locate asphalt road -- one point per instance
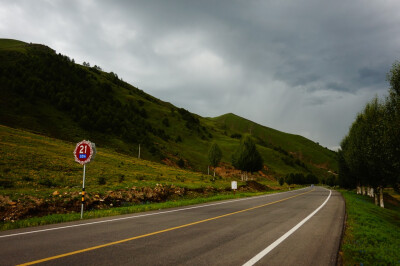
(300, 227)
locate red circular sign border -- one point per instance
(90, 155)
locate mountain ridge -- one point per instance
(49, 93)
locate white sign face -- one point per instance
(234, 185)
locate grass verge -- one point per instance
(59, 218)
(372, 235)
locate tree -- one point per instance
(247, 158)
(281, 181)
(289, 179)
(214, 156)
(393, 124)
(181, 163)
(394, 78)
(330, 181)
(311, 179)
(370, 153)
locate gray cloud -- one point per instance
(304, 66)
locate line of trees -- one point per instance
(369, 158)
(299, 178)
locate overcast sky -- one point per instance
(303, 66)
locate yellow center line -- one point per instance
(157, 232)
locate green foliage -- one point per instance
(165, 122)
(214, 155)
(394, 78)
(311, 179)
(330, 181)
(247, 158)
(370, 153)
(236, 136)
(301, 179)
(92, 104)
(289, 179)
(181, 163)
(178, 139)
(281, 181)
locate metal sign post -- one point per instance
(84, 152)
(83, 190)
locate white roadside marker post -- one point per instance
(234, 187)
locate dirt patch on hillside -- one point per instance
(227, 171)
(68, 202)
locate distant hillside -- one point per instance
(299, 146)
(48, 93)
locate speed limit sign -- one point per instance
(84, 152)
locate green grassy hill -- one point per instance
(300, 147)
(39, 177)
(48, 93)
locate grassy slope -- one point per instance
(317, 158)
(27, 158)
(302, 147)
(40, 116)
(33, 167)
(372, 234)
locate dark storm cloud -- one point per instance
(304, 66)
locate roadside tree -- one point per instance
(246, 157)
(214, 156)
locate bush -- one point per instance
(281, 181)
(236, 136)
(165, 121)
(181, 163)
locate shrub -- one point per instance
(236, 136)
(165, 121)
(181, 163)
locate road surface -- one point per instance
(301, 227)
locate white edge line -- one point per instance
(144, 215)
(268, 249)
